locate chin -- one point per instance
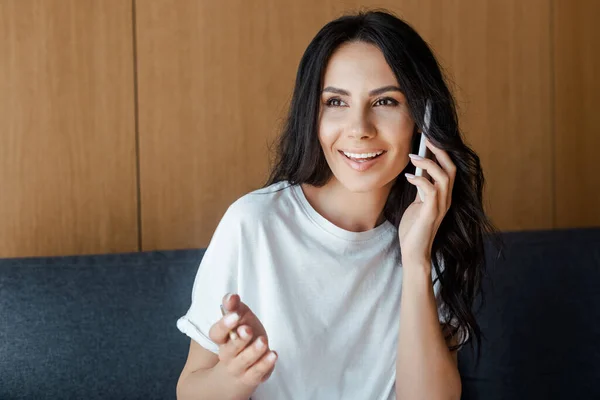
(363, 184)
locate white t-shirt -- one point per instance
(328, 298)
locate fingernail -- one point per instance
(410, 176)
(415, 157)
(244, 333)
(260, 343)
(272, 356)
(231, 319)
(228, 297)
(233, 336)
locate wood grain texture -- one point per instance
(497, 54)
(215, 79)
(67, 142)
(577, 122)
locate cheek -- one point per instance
(396, 121)
(398, 133)
(328, 134)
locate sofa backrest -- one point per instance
(94, 327)
(103, 327)
(541, 320)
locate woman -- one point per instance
(343, 281)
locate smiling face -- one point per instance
(365, 127)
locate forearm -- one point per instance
(425, 368)
(210, 384)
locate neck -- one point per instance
(352, 211)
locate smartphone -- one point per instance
(423, 150)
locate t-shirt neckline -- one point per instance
(333, 229)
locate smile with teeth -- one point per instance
(362, 157)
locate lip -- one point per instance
(361, 166)
(362, 151)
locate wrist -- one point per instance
(416, 268)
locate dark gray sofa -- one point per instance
(103, 327)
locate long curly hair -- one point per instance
(458, 248)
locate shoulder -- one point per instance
(259, 205)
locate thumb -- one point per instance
(231, 302)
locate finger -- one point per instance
(268, 374)
(232, 334)
(232, 348)
(262, 369)
(231, 301)
(426, 187)
(432, 168)
(250, 355)
(439, 176)
(219, 332)
(443, 158)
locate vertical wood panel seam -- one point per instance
(137, 126)
(553, 160)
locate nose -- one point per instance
(360, 127)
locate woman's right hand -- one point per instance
(246, 356)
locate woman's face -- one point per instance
(365, 127)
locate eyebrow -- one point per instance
(374, 92)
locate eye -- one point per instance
(386, 101)
(334, 102)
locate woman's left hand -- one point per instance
(422, 219)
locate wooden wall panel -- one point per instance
(215, 79)
(576, 115)
(497, 53)
(67, 131)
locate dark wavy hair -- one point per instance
(458, 248)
